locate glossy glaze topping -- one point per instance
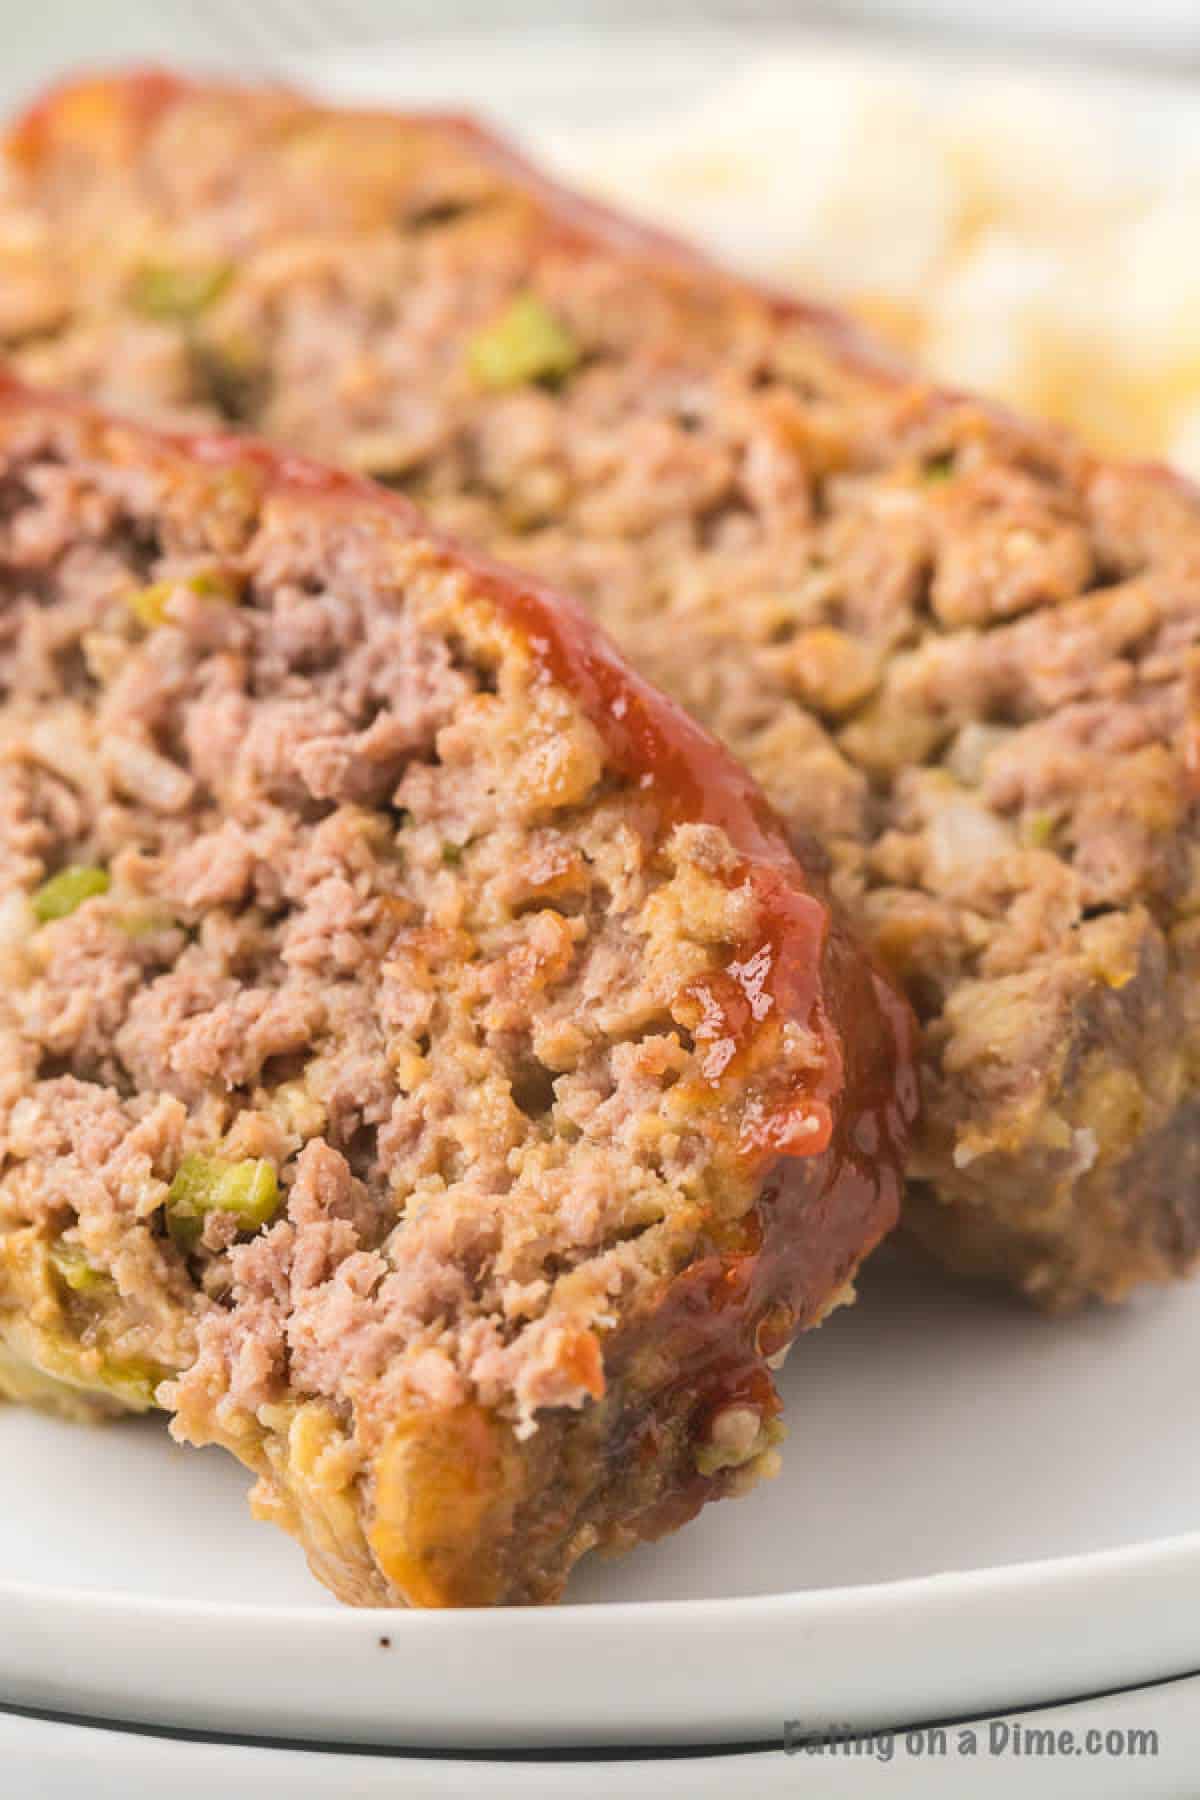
(684, 774)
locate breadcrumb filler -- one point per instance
(957, 650)
(424, 1069)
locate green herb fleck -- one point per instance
(172, 291)
(203, 1184)
(59, 896)
(76, 1271)
(149, 604)
(213, 584)
(144, 919)
(526, 343)
(132, 1379)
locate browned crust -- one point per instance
(117, 111)
(500, 1520)
(131, 101)
(1134, 1219)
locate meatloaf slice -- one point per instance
(424, 1068)
(955, 648)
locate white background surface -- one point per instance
(37, 41)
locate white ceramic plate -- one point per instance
(980, 1509)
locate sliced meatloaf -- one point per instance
(955, 648)
(424, 1068)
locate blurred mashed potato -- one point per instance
(1032, 239)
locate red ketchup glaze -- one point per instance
(569, 219)
(826, 1161)
(654, 743)
(675, 764)
(143, 94)
(824, 1197)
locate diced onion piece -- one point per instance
(146, 776)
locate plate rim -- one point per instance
(43, 1617)
(946, 1645)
